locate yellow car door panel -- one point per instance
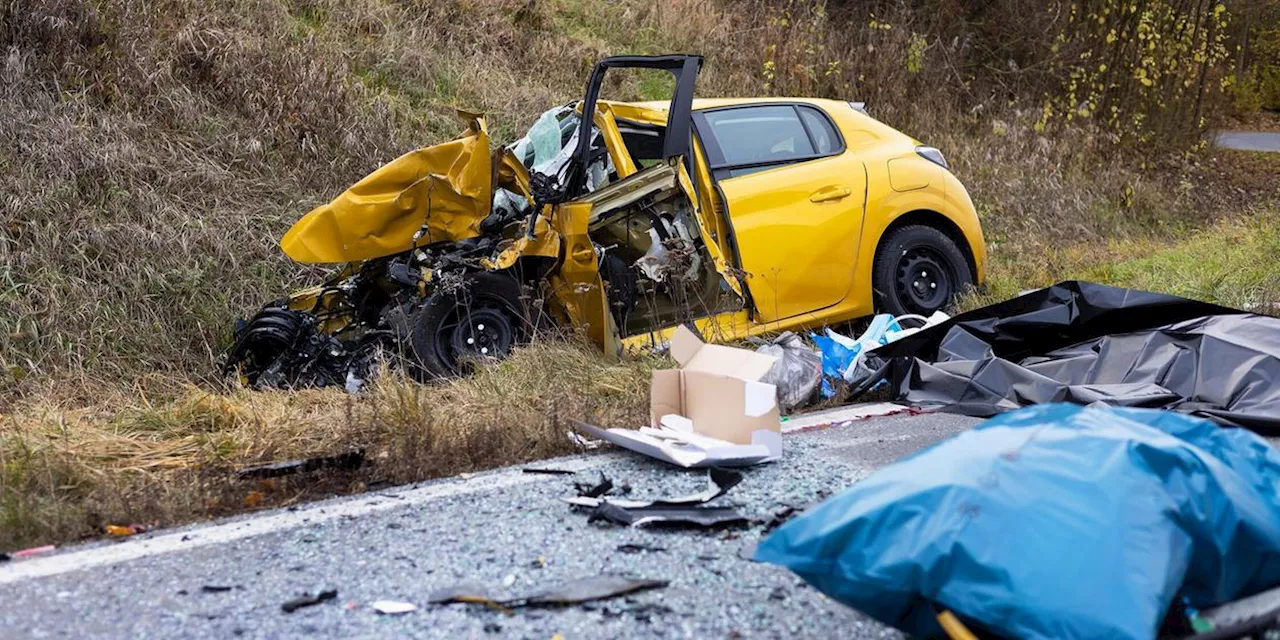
(794, 197)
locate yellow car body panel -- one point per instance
(798, 228)
(715, 229)
(440, 193)
(608, 125)
(810, 263)
(576, 285)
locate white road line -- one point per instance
(135, 548)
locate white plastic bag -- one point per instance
(797, 373)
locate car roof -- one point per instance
(655, 111)
(700, 104)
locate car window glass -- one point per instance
(752, 135)
(824, 137)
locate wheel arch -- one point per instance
(931, 218)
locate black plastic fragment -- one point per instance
(687, 510)
(345, 461)
(719, 482)
(682, 515)
(587, 490)
(309, 600)
(549, 471)
(216, 588)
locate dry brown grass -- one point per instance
(68, 471)
(153, 151)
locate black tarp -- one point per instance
(1082, 342)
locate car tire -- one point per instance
(918, 270)
(483, 317)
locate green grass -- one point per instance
(1234, 262)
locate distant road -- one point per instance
(1248, 140)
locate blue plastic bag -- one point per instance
(835, 356)
(841, 355)
(1053, 521)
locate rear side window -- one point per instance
(756, 135)
(824, 135)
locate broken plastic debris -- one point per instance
(585, 444)
(393, 607)
(550, 471)
(347, 461)
(307, 600)
(467, 592)
(587, 490)
(593, 588)
(780, 517)
(683, 510)
(667, 515)
(719, 482)
(125, 530)
(599, 587)
(216, 588)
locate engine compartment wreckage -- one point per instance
(624, 221)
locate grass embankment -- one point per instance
(1234, 262)
(152, 153)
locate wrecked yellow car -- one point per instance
(740, 216)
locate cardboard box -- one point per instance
(712, 411)
(718, 388)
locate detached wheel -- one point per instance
(482, 319)
(918, 270)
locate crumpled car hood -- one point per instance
(434, 194)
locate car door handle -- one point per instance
(830, 193)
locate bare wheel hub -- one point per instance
(483, 333)
(925, 280)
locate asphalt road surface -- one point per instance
(505, 530)
(1248, 140)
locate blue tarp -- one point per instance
(1052, 521)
